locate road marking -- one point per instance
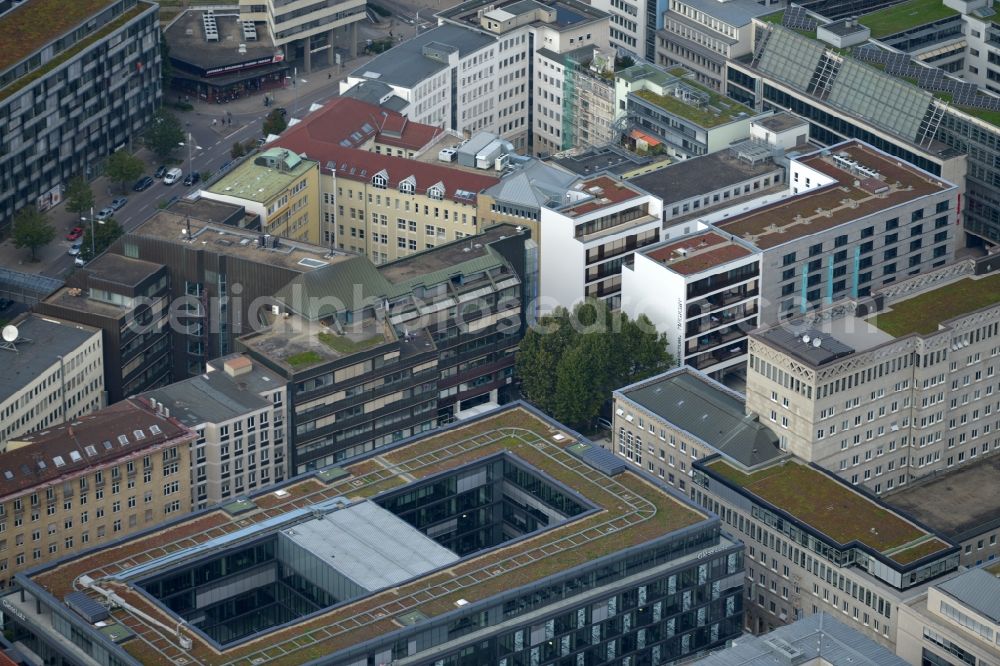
(240, 129)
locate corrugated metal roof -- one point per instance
(87, 608)
(818, 636)
(977, 589)
(371, 546)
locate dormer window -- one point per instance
(407, 185)
(436, 191)
(381, 179)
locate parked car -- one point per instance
(161, 171)
(143, 183)
(104, 213)
(74, 233)
(173, 176)
(192, 178)
(119, 202)
(78, 261)
(74, 249)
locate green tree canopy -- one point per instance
(32, 230)
(123, 167)
(164, 134)
(79, 196)
(570, 362)
(238, 150)
(274, 123)
(107, 233)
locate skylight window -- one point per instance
(155, 429)
(123, 439)
(58, 460)
(139, 434)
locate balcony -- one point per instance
(710, 359)
(722, 318)
(712, 340)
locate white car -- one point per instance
(104, 213)
(78, 261)
(74, 249)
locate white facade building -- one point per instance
(53, 372)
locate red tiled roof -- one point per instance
(343, 116)
(320, 140)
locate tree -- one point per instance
(107, 233)
(79, 196)
(570, 362)
(237, 150)
(164, 134)
(32, 230)
(123, 168)
(274, 123)
(166, 68)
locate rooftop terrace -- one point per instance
(718, 111)
(924, 313)
(834, 509)
(604, 191)
(905, 15)
(261, 183)
(298, 344)
(697, 253)
(631, 512)
(851, 197)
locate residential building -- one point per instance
(959, 503)
(237, 410)
(588, 97)
(853, 219)
(887, 389)
(72, 90)
(956, 621)
(375, 201)
(319, 30)
(481, 510)
(817, 640)
(218, 278)
(53, 372)
(373, 355)
(103, 476)
(702, 35)
(703, 291)
(128, 300)
(666, 423)
(281, 188)
(689, 118)
(815, 544)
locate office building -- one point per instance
(281, 188)
(53, 371)
(237, 410)
(702, 35)
(956, 621)
(664, 424)
(961, 504)
(818, 640)
(315, 33)
(219, 278)
(128, 300)
(378, 200)
(88, 482)
(688, 118)
(815, 544)
(582, 567)
(611, 159)
(77, 81)
(373, 355)
(889, 389)
(588, 99)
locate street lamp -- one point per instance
(295, 78)
(93, 232)
(189, 145)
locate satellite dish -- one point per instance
(817, 342)
(805, 339)
(10, 333)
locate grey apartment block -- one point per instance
(62, 115)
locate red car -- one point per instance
(75, 232)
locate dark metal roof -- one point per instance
(693, 402)
(86, 607)
(977, 589)
(810, 346)
(603, 461)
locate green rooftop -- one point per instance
(718, 111)
(34, 24)
(833, 509)
(904, 16)
(924, 312)
(262, 182)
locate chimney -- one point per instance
(240, 365)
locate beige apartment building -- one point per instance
(94, 480)
(52, 371)
(889, 388)
(237, 410)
